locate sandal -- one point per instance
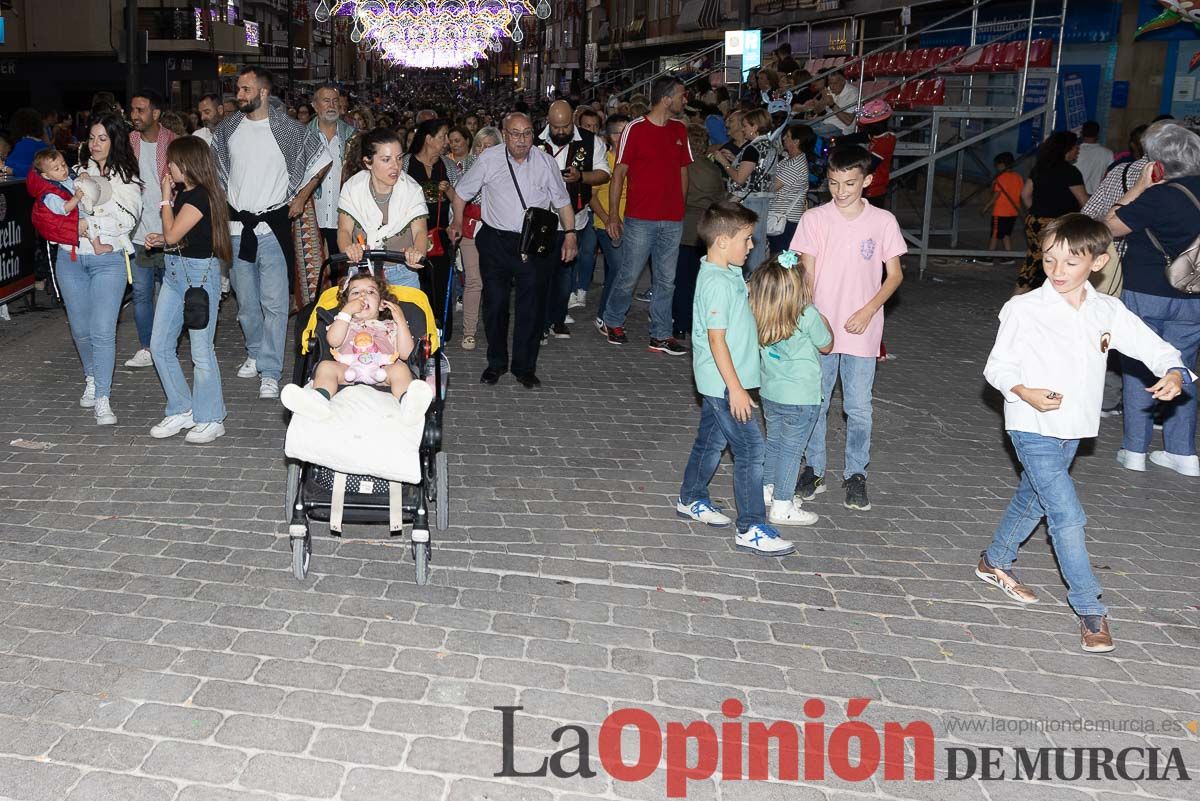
(468, 343)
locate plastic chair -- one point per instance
(931, 93)
(887, 63)
(922, 59)
(853, 70)
(950, 58)
(908, 93)
(904, 62)
(989, 61)
(1040, 53)
(967, 62)
(1013, 58)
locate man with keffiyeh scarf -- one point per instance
(264, 160)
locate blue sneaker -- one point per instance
(763, 539)
(703, 512)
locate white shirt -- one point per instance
(151, 222)
(599, 162)
(1045, 343)
(203, 133)
(326, 197)
(847, 101)
(1092, 162)
(258, 176)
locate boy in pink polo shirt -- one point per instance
(844, 245)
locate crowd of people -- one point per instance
(709, 192)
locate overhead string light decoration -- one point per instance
(431, 34)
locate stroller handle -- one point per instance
(389, 256)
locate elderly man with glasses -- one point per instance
(514, 176)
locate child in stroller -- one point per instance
(371, 342)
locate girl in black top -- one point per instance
(1054, 188)
(196, 239)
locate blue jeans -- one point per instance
(687, 270)
(612, 267)
(758, 204)
(400, 275)
(92, 289)
(782, 242)
(585, 262)
(718, 428)
(147, 272)
(262, 294)
(789, 428)
(1046, 490)
(643, 240)
(207, 404)
(858, 379)
(1177, 321)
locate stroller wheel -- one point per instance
(301, 555)
(421, 560)
(442, 489)
(292, 491)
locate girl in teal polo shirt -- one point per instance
(790, 334)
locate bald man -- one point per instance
(581, 159)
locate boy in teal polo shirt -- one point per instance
(725, 365)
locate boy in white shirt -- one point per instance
(1049, 361)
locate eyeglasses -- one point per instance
(526, 134)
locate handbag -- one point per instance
(539, 227)
(1183, 271)
(472, 220)
(435, 247)
(1111, 280)
(195, 305)
(776, 222)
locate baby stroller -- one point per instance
(318, 492)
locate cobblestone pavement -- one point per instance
(154, 645)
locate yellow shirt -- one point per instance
(601, 192)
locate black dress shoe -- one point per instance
(490, 376)
(529, 381)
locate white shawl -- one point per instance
(406, 204)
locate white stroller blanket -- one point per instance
(364, 436)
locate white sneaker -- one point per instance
(205, 432)
(88, 399)
(104, 413)
(578, 299)
(763, 539)
(248, 369)
(1132, 461)
(172, 424)
(226, 287)
(568, 320)
(787, 513)
(141, 359)
(703, 512)
(269, 388)
(306, 402)
(1184, 465)
(415, 402)
(768, 494)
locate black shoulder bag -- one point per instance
(539, 227)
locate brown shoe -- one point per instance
(1094, 636)
(1006, 580)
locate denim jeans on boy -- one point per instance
(262, 295)
(789, 428)
(147, 269)
(1046, 490)
(643, 240)
(858, 379)
(92, 290)
(612, 267)
(1178, 322)
(206, 403)
(759, 203)
(585, 262)
(718, 428)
